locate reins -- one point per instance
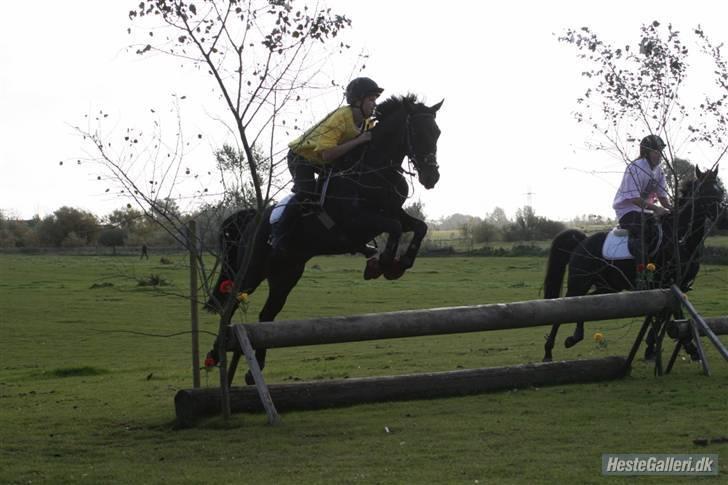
(410, 151)
(360, 167)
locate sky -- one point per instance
(508, 139)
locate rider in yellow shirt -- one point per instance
(337, 134)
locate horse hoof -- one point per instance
(386, 259)
(570, 342)
(249, 380)
(372, 270)
(692, 351)
(394, 272)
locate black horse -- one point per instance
(364, 196)
(699, 200)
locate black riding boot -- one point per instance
(635, 248)
(282, 229)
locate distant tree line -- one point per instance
(496, 226)
(70, 227)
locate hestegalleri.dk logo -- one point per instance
(659, 464)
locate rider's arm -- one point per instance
(339, 150)
(640, 202)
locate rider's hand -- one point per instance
(661, 211)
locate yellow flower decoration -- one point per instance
(243, 297)
(651, 267)
(599, 337)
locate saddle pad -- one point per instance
(615, 245)
(277, 211)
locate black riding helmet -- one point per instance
(361, 87)
(652, 142)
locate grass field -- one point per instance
(459, 244)
(86, 397)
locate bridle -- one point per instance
(430, 159)
(697, 207)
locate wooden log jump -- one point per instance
(478, 318)
(191, 404)
(440, 321)
(244, 338)
(719, 325)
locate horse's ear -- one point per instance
(436, 107)
(698, 173)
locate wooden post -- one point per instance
(262, 388)
(194, 314)
(699, 324)
(638, 341)
(699, 346)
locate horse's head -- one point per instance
(707, 193)
(422, 134)
(413, 124)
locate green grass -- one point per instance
(461, 245)
(717, 241)
(86, 396)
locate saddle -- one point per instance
(616, 244)
(311, 209)
(285, 213)
(280, 208)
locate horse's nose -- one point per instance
(429, 177)
(433, 180)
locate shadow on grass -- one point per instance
(77, 372)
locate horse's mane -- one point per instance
(394, 104)
(687, 189)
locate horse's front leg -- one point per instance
(650, 342)
(419, 230)
(282, 279)
(376, 223)
(390, 249)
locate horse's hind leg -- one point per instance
(252, 280)
(282, 279)
(578, 287)
(549, 345)
(576, 337)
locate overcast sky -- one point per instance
(508, 133)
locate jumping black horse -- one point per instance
(699, 200)
(363, 197)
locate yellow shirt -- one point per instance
(337, 128)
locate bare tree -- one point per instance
(714, 128)
(260, 56)
(639, 89)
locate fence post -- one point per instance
(194, 315)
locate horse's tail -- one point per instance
(233, 243)
(561, 248)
